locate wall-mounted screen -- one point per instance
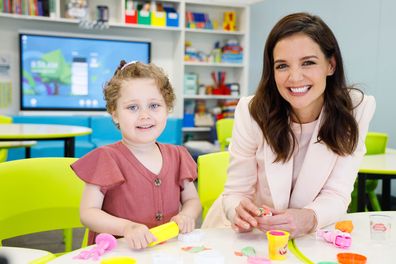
(68, 73)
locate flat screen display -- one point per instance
(68, 73)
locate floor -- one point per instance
(51, 241)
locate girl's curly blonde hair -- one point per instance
(137, 70)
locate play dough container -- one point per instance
(164, 232)
(277, 244)
(118, 260)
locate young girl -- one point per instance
(138, 183)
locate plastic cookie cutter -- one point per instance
(104, 242)
(338, 238)
(344, 226)
(264, 212)
(164, 232)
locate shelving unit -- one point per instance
(204, 39)
(168, 43)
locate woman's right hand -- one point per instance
(244, 220)
(138, 236)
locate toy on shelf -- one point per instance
(104, 243)
(336, 237)
(215, 53)
(232, 52)
(198, 20)
(164, 232)
(229, 23)
(219, 81)
(192, 54)
(77, 9)
(202, 117)
(227, 109)
(344, 226)
(190, 83)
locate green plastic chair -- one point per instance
(224, 132)
(37, 195)
(212, 175)
(4, 152)
(375, 144)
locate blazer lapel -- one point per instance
(318, 163)
(279, 177)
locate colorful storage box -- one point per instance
(131, 16)
(172, 19)
(158, 19)
(144, 17)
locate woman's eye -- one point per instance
(280, 66)
(307, 63)
(133, 107)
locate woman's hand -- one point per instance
(297, 222)
(138, 236)
(245, 217)
(186, 223)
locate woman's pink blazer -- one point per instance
(324, 183)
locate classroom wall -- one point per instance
(366, 31)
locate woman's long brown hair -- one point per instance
(338, 128)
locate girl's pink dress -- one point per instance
(130, 190)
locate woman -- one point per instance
(298, 142)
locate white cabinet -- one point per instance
(168, 42)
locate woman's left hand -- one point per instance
(186, 223)
(297, 222)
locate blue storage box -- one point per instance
(172, 17)
(188, 120)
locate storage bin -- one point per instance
(172, 19)
(144, 17)
(158, 19)
(131, 16)
(188, 120)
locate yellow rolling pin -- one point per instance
(164, 232)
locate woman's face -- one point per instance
(300, 71)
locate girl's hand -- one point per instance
(186, 223)
(246, 212)
(138, 236)
(297, 222)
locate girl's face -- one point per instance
(300, 71)
(141, 111)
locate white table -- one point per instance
(222, 240)
(16, 255)
(383, 253)
(377, 167)
(20, 132)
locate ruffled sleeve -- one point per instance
(99, 167)
(188, 167)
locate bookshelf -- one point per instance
(168, 42)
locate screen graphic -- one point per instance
(68, 73)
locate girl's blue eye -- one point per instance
(133, 107)
(154, 106)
